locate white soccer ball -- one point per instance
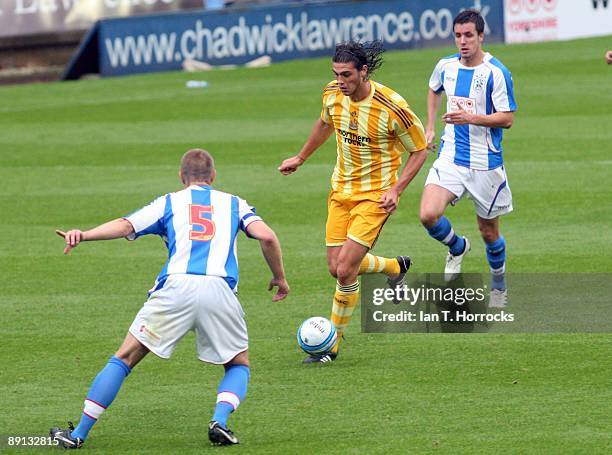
(317, 336)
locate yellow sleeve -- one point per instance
(329, 88)
(325, 112)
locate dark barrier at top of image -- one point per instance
(537, 303)
(309, 29)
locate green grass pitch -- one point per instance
(77, 154)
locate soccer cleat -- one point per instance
(326, 358)
(404, 262)
(221, 436)
(398, 281)
(453, 263)
(498, 298)
(64, 437)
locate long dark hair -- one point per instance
(368, 53)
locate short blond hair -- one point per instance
(197, 165)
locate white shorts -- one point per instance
(488, 189)
(204, 304)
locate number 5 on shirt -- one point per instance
(196, 218)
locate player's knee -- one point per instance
(131, 351)
(346, 274)
(489, 237)
(489, 233)
(130, 360)
(240, 359)
(428, 217)
(333, 270)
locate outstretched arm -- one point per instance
(318, 135)
(270, 247)
(112, 230)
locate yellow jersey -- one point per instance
(371, 136)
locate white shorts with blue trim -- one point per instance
(488, 189)
(204, 304)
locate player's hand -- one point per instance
(283, 288)
(290, 165)
(430, 137)
(72, 237)
(389, 200)
(458, 117)
(609, 57)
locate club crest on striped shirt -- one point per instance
(353, 124)
(480, 81)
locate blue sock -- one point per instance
(496, 256)
(443, 232)
(231, 392)
(101, 394)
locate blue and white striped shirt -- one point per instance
(199, 225)
(483, 89)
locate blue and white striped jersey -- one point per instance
(483, 89)
(199, 225)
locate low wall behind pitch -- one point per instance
(310, 29)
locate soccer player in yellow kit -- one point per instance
(374, 126)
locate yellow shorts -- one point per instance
(354, 216)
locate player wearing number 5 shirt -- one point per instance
(195, 291)
(480, 104)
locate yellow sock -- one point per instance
(379, 264)
(345, 301)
